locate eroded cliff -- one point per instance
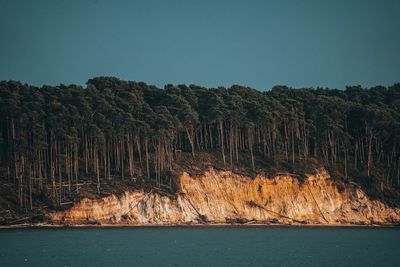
(222, 196)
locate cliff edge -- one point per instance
(218, 197)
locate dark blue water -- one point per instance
(201, 246)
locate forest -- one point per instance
(55, 138)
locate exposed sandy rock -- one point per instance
(222, 196)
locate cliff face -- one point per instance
(221, 196)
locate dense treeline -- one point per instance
(52, 137)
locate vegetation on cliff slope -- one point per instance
(53, 139)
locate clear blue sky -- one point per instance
(210, 43)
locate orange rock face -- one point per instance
(222, 196)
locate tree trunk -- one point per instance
(221, 127)
(190, 137)
(147, 157)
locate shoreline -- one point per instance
(199, 225)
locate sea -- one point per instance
(200, 246)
